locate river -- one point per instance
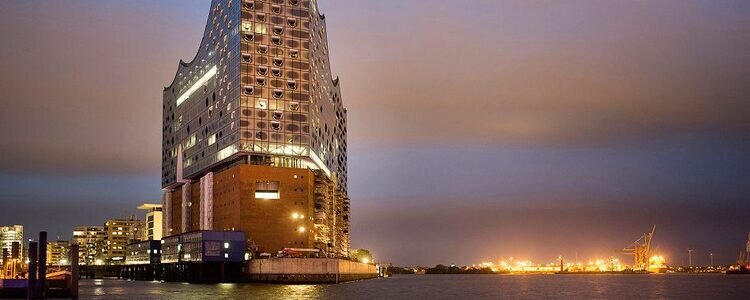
(661, 286)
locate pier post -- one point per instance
(41, 287)
(31, 288)
(74, 271)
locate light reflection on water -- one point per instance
(303, 291)
(714, 286)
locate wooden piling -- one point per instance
(41, 286)
(31, 288)
(74, 271)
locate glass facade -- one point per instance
(259, 85)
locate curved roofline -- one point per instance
(184, 64)
(322, 17)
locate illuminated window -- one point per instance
(226, 152)
(268, 190)
(262, 104)
(294, 106)
(201, 82)
(293, 53)
(190, 143)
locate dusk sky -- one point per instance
(478, 129)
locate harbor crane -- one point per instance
(640, 250)
(745, 255)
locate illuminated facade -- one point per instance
(9, 235)
(118, 234)
(253, 113)
(154, 220)
(91, 245)
(58, 253)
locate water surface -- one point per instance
(662, 286)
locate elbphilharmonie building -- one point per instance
(254, 131)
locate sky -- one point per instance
(478, 129)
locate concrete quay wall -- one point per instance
(308, 270)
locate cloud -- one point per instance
(510, 72)
(81, 82)
(536, 72)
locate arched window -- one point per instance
(247, 57)
(249, 90)
(276, 72)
